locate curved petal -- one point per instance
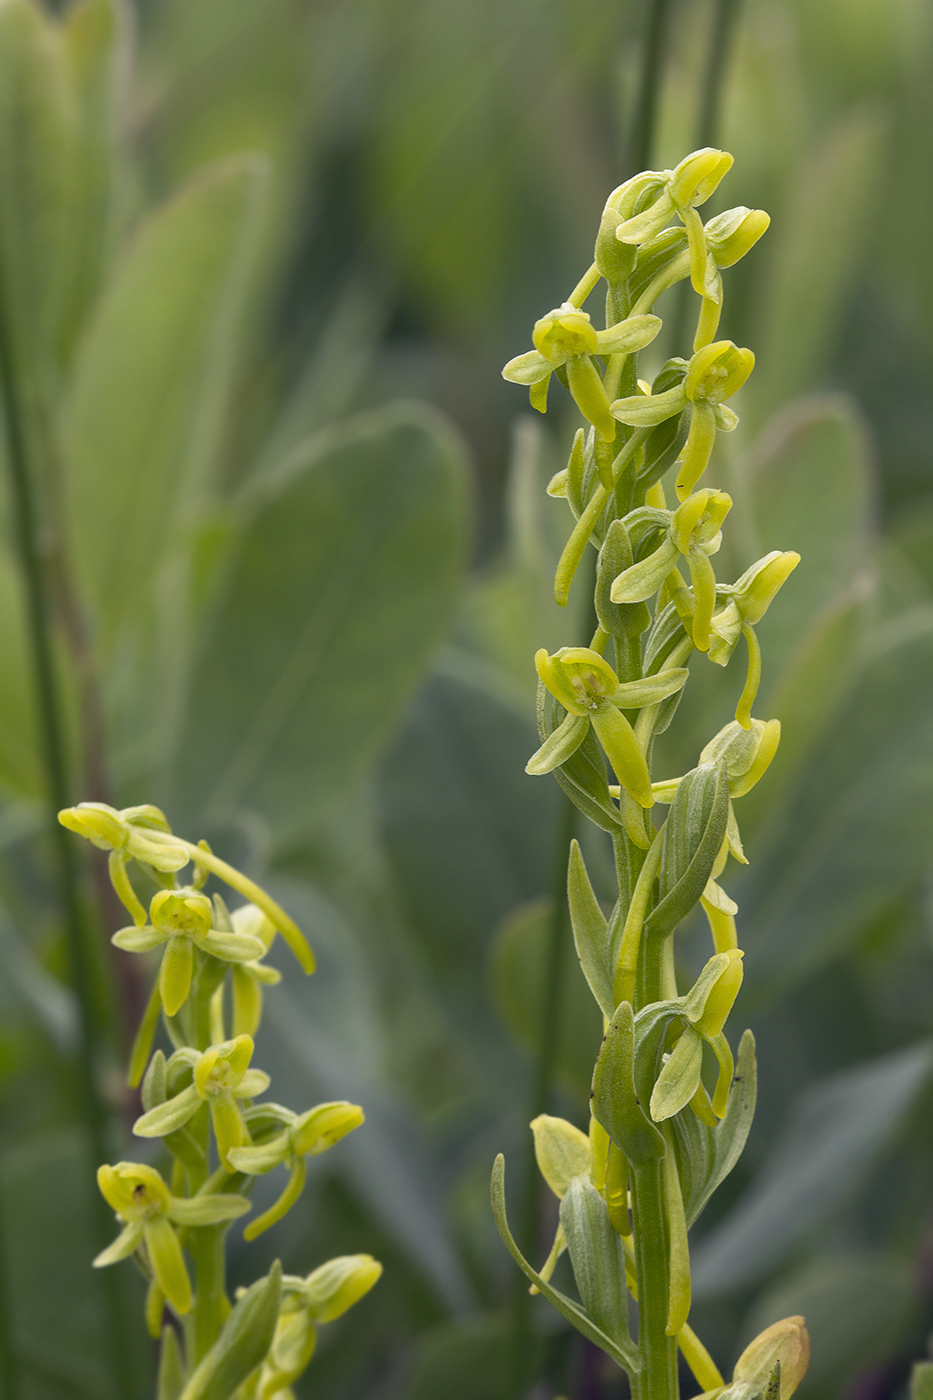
(232, 947)
(527, 368)
(168, 1264)
(167, 1117)
(126, 1243)
(138, 940)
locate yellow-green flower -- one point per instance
(149, 1212)
(305, 1135)
(713, 375)
(220, 1078)
(592, 694)
(740, 606)
(693, 531)
(566, 337)
(249, 978)
(324, 1295)
(181, 920)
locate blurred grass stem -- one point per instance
(16, 435)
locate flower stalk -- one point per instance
(200, 1103)
(669, 1110)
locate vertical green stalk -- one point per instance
(17, 443)
(548, 1048)
(717, 60)
(641, 139)
(658, 1378)
(207, 1248)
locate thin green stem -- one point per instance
(657, 1379)
(717, 60)
(206, 1247)
(549, 1044)
(19, 435)
(641, 141)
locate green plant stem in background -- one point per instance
(17, 437)
(552, 1008)
(654, 52)
(721, 39)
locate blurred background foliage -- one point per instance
(261, 265)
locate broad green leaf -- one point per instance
(465, 1359)
(590, 932)
(469, 835)
(339, 591)
(693, 837)
(48, 1206)
(921, 1381)
(860, 1308)
(863, 802)
(597, 1258)
(837, 1129)
(94, 43)
(246, 1337)
(36, 151)
(614, 1102)
(141, 426)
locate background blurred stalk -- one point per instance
(19, 435)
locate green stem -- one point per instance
(21, 462)
(549, 1044)
(206, 1247)
(657, 1379)
(717, 60)
(641, 140)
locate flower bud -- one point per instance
(747, 752)
(697, 175)
(786, 1341)
(721, 997)
(97, 823)
(756, 590)
(718, 371)
(562, 1152)
(319, 1128)
(731, 235)
(338, 1284)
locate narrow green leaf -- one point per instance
(590, 931)
(171, 1370)
(246, 1337)
(597, 1257)
(613, 1102)
(693, 837)
(619, 619)
(705, 1155)
(623, 1354)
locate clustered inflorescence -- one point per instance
(669, 1110)
(200, 1101)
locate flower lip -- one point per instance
(181, 912)
(563, 332)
